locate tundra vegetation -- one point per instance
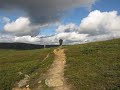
(90, 66)
(14, 64)
(94, 66)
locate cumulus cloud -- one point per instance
(6, 38)
(44, 11)
(23, 39)
(97, 26)
(22, 26)
(27, 39)
(100, 23)
(69, 38)
(67, 28)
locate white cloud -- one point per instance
(4, 19)
(27, 39)
(6, 38)
(17, 26)
(102, 37)
(68, 37)
(67, 28)
(96, 26)
(22, 26)
(23, 39)
(100, 23)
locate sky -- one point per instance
(45, 22)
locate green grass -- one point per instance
(25, 61)
(94, 66)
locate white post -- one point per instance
(44, 46)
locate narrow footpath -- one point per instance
(55, 77)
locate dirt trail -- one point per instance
(55, 77)
(23, 84)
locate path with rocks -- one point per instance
(55, 77)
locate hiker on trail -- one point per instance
(60, 42)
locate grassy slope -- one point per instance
(94, 66)
(25, 61)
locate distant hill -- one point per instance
(23, 46)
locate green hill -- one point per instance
(94, 66)
(91, 66)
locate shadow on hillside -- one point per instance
(23, 46)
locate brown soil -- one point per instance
(55, 77)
